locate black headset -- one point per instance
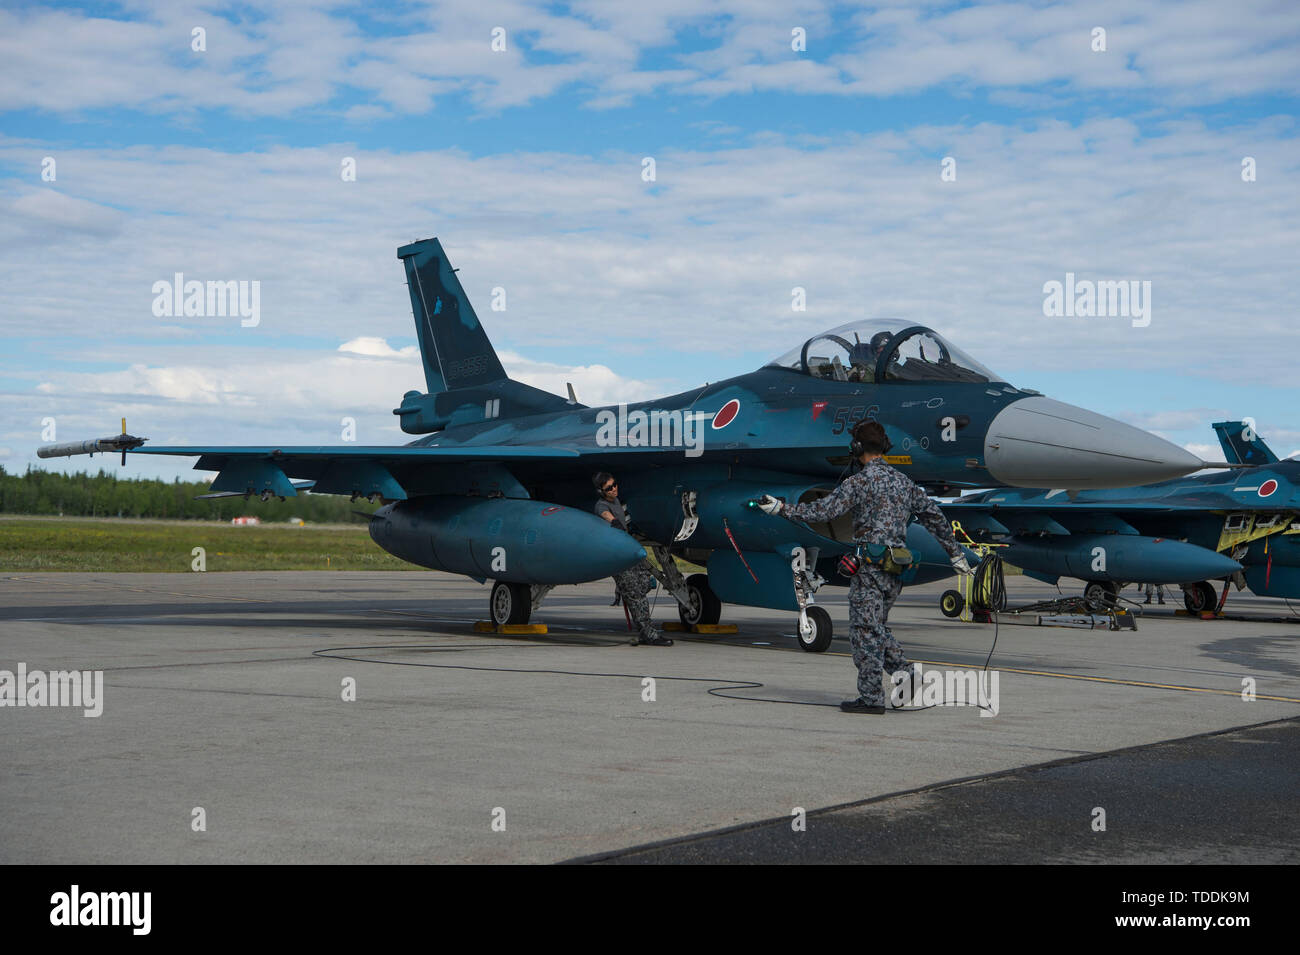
(857, 450)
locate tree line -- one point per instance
(106, 495)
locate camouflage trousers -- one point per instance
(875, 651)
(633, 585)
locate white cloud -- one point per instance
(593, 384)
(226, 395)
(1178, 419)
(283, 58)
(1206, 452)
(48, 213)
(378, 348)
(704, 264)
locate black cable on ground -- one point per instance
(335, 653)
(989, 583)
(989, 593)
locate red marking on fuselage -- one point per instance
(818, 408)
(726, 414)
(1267, 488)
(551, 510)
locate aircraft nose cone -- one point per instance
(1040, 442)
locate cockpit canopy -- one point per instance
(883, 350)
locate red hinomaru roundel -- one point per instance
(1267, 488)
(726, 413)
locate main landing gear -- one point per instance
(814, 630)
(1102, 592)
(702, 604)
(510, 603)
(1198, 598)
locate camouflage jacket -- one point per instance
(883, 501)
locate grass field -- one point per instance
(76, 544)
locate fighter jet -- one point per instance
(1242, 526)
(498, 485)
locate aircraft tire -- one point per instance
(951, 603)
(819, 640)
(510, 603)
(1199, 598)
(706, 608)
(1102, 591)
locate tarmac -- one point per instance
(226, 737)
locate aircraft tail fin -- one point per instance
(1241, 445)
(455, 349)
(461, 369)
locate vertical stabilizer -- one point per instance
(455, 349)
(1241, 445)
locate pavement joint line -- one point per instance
(919, 790)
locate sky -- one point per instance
(935, 162)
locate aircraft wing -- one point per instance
(1064, 507)
(394, 473)
(1215, 500)
(1002, 514)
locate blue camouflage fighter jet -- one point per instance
(1242, 527)
(498, 485)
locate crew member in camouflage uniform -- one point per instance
(636, 581)
(883, 501)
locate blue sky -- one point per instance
(775, 168)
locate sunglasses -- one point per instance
(609, 487)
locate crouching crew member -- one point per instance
(883, 501)
(636, 581)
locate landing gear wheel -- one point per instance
(1199, 598)
(818, 637)
(510, 603)
(1104, 592)
(951, 603)
(705, 607)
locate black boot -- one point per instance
(860, 706)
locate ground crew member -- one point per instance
(635, 582)
(883, 501)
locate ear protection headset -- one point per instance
(857, 450)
